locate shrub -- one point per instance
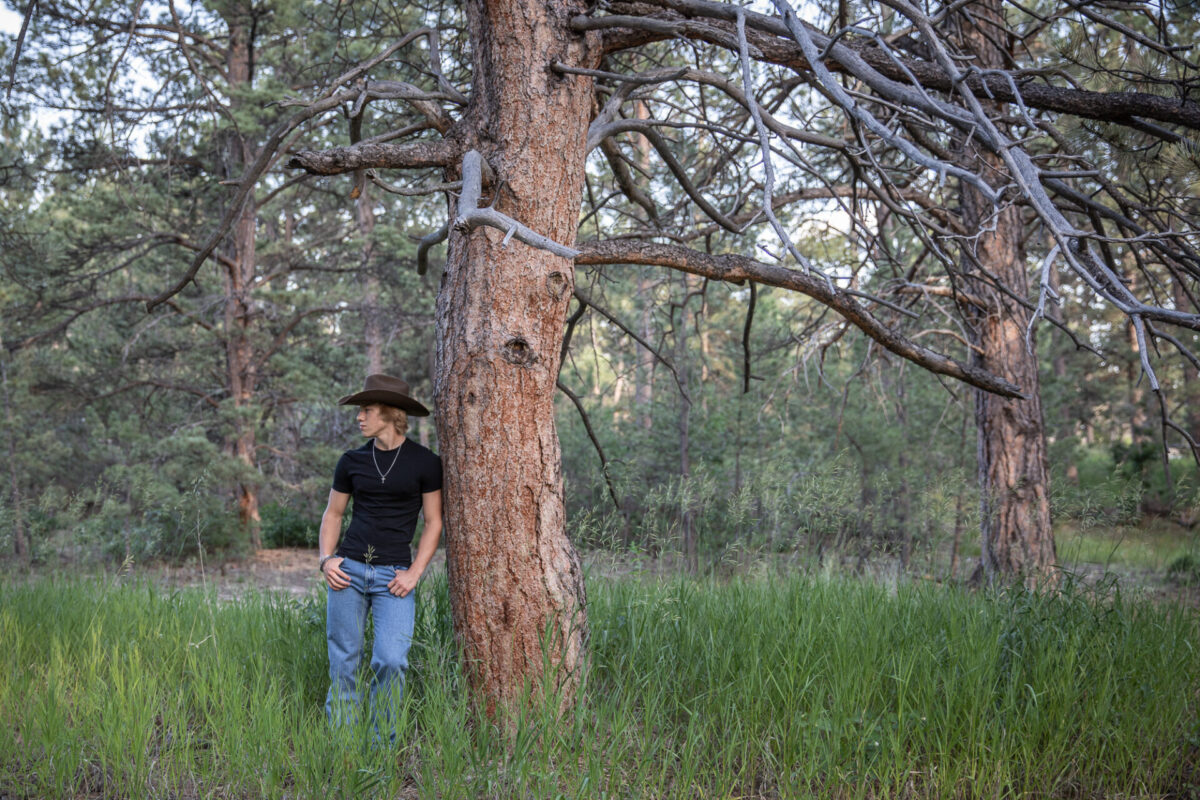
(1184, 570)
(284, 526)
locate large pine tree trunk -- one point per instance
(1014, 480)
(516, 584)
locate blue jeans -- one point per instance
(345, 623)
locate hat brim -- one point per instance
(401, 401)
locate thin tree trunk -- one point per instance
(959, 504)
(900, 501)
(242, 373)
(364, 216)
(738, 444)
(687, 530)
(956, 541)
(1187, 403)
(864, 523)
(241, 368)
(1014, 481)
(644, 393)
(1017, 539)
(517, 592)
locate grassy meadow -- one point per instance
(756, 687)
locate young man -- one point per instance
(391, 479)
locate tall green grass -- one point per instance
(781, 687)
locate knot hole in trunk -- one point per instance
(517, 351)
(556, 285)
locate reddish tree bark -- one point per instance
(242, 372)
(1014, 479)
(241, 364)
(516, 584)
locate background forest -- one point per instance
(702, 421)
(117, 433)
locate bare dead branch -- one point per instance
(420, 100)
(768, 207)
(471, 216)
(746, 337)
(435, 66)
(416, 191)
(958, 295)
(648, 129)
(736, 269)
(611, 317)
(427, 241)
(952, 334)
(1116, 107)
(572, 321)
(587, 424)
(625, 180)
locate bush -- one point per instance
(284, 526)
(150, 520)
(1184, 570)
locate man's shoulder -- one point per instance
(358, 452)
(423, 453)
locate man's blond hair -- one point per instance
(397, 416)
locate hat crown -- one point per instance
(385, 383)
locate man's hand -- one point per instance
(404, 582)
(334, 576)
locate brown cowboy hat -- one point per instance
(385, 389)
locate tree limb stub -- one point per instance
(410, 155)
(736, 269)
(426, 242)
(471, 216)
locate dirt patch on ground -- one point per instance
(287, 570)
(291, 571)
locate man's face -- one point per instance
(370, 420)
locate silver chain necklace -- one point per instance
(383, 475)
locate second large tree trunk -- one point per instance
(516, 583)
(1014, 480)
(240, 362)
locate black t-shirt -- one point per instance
(384, 516)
